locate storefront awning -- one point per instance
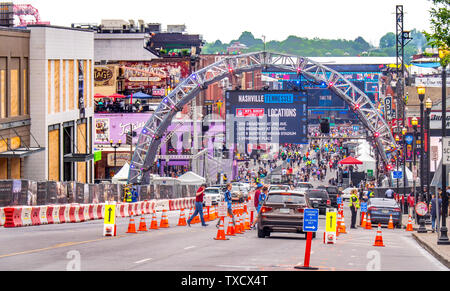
(78, 158)
(21, 152)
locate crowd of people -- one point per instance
(121, 106)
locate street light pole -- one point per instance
(443, 238)
(421, 92)
(414, 168)
(428, 105)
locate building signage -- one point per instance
(388, 107)
(267, 117)
(118, 159)
(115, 126)
(432, 82)
(436, 120)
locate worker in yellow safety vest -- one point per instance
(128, 197)
(354, 206)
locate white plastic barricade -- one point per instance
(86, 212)
(43, 214)
(67, 213)
(26, 216)
(102, 211)
(55, 214)
(2, 217)
(127, 210)
(77, 213)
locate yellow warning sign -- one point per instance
(331, 222)
(110, 214)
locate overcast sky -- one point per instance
(225, 20)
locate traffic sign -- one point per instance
(446, 150)
(339, 200)
(110, 214)
(311, 220)
(331, 224)
(364, 207)
(222, 209)
(398, 174)
(421, 208)
(207, 200)
(409, 138)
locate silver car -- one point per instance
(215, 193)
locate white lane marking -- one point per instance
(143, 261)
(188, 248)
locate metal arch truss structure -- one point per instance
(155, 128)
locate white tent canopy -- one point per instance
(122, 176)
(191, 178)
(369, 163)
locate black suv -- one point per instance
(333, 192)
(318, 198)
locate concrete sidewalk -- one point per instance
(429, 242)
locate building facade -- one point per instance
(61, 103)
(15, 139)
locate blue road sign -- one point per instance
(409, 138)
(311, 220)
(339, 200)
(397, 174)
(364, 207)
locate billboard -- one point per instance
(255, 117)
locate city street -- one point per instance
(66, 246)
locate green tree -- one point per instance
(388, 40)
(439, 37)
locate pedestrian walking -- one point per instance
(228, 199)
(262, 199)
(433, 210)
(198, 205)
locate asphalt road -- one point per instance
(82, 247)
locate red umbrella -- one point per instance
(115, 95)
(350, 161)
(99, 96)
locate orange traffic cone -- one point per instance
(409, 227)
(379, 238)
(363, 223)
(142, 224)
(338, 223)
(131, 225)
(230, 230)
(368, 223)
(221, 231)
(247, 222)
(342, 228)
(391, 223)
(154, 224)
(182, 219)
(164, 220)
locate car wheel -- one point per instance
(261, 233)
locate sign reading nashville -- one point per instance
(267, 117)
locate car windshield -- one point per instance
(309, 186)
(285, 199)
(211, 191)
(379, 202)
(274, 188)
(332, 190)
(317, 194)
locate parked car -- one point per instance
(240, 190)
(380, 210)
(303, 186)
(333, 192)
(215, 193)
(318, 198)
(282, 211)
(279, 187)
(346, 193)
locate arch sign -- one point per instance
(155, 128)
